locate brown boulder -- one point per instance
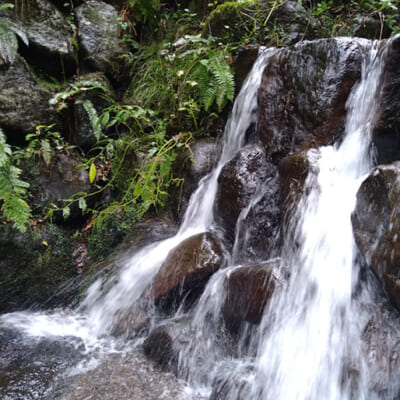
(376, 225)
(187, 268)
(303, 94)
(248, 290)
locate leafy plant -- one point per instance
(9, 32)
(12, 189)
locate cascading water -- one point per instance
(305, 353)
(309, 335)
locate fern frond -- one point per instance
(8, 40)
(93, 117)
(16, 210)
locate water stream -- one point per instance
(309, 338)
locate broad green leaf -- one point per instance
(92, 173)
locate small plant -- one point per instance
(12, 189)
(8, 38)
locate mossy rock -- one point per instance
(36, 268)
(230, 22)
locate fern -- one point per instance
(8, 38)
(93, 117)
(12, 189)
(215, 82)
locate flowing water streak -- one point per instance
(304, 354)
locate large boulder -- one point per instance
(239, 182)
(303, 94)
(50, 37)
(99, 37)
(187, 269)
(376, 224)
(192, 165)
(248, 290)
(386, 133)
(24, 104)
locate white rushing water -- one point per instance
(304, 354)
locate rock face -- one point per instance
(240, 180)
(386, 135)
(164, 341)
(376, 224)
(60, 180)
(248, 290)
(99, 36)
(187, 268)
(23, 103)
(32, 272)
(191, 166)
(49, 34)
(303, 95)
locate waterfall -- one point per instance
(313, 338)
(309, 338)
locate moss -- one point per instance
(231, 21)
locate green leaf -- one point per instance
(66, 212)
(92, 173)
(82, 204)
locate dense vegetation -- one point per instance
(178, 66)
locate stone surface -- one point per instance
(24, 104)
(50, 37)
(99, 37)
(192, 165)
(96, 89)
(164, 341)
(303, 94)
(248, 289)
(386, 134)
(33, 268)
(376, 225)
(187, 268)
(61, 179)
(240, 180)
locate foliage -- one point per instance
(8, 38)
(168, 79)
(12, 189)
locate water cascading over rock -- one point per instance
(210, 304)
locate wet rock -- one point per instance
(24, 104)
(293, 172)
(248, 289)
(98, 92)
(99, 37)
(187, 269)
(376, 225)
(303, 95)
(33, 268)
(192, 165)
(242, 64)
(240, 180)
(143, 233)
(28, 365)
(230, 21)
(128, 376)
(164, 342)
(386, 134)
(233, 382)
(132, 322)
(61, 179)
(50, 37)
